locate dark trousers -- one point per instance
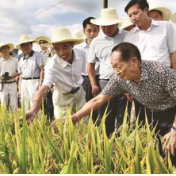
(48, 105)
(163, 119)
(116, 108)
(88, 89)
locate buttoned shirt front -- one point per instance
(86, 48)
(45, 55)
(30, 67)
(100, 50)
(156, 43)
(66, 76)
(156, 89)
(9, 65)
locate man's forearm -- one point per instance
(91, 73)
(41, 75)
(20, 80)
(40, 95)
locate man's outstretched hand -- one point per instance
(29, 117)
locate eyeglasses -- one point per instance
(43, 42)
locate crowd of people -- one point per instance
(105, 66)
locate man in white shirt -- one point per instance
(100, 50)
(8, 87)
(64, 69)
(91, 31)
(31, 65)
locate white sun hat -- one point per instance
(11, 46)
(24, 39)
(108, 17)
(126, 23)
(173, 18)
(42, 38)
(78, 34)
(165, 11)
(61, 35)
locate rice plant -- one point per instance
(52, 148)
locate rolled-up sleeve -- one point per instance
(114, 87)
(171, 38)
(92, 54)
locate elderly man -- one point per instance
(31, 65)
(151, 83)
(100, 51)
(64, 69)
(8, 87)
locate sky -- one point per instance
(68, 13)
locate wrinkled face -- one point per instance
(64, 50)
(125, 70)
(43, 42)
(91, 31)
(155, 15)
(129, 28)
(136, 15)
(5, 50)
(110, 31)
(26, 48)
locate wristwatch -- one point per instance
(174, 128)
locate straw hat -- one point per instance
(42, 38)
(61, 35)
(78, 34)
(165, 11)
(173, 18)
(126, 23)
(108, 17)
(11, 46)
(24, 39)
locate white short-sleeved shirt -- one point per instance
(156, 43)
(66, 76)
(45, 55)
(30, 67)
(10, 65)
(100, 50)
(86, 48)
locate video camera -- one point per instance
(6, 75)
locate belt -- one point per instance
(73, 91)
(7, 82)
(31, 78)
(86, 76)
(105, 79)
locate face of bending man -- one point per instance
(111, 30)
(64, 51)
(155, 15)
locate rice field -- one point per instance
(53, 147)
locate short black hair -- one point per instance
(127, 50)
(87, 21)
(141, 3)
(161, 13)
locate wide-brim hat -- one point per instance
(61, 35)
(173, 17)
(11, 46)
(78, 34)
(24, 39)
(165, 11)
(108, 17)
(127, 23)
(42, 38)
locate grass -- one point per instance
(52, 148)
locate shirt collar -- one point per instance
(45, 52)
(119, 32)
(31, 54)
(85, 44)
(5, 59)
(153, 23)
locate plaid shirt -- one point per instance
(156, 89)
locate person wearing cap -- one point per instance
(159, 13)
(100, 50)
(173, 17)
(127, 25)
(8, 87)
(90, 32)
(31, 65)
(64, 70)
